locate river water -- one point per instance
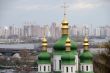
(14, 71)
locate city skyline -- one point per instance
(52, 31)
(44, 12)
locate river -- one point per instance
(14, 71)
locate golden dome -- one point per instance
(44, 43)
(86, 39)
(68, 40)
(64, 20)
(86, 43)
(68, 44)
(44, 40)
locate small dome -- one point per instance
(64, 20)
(68, 42)
(44, 40)
(86, 40)
(60, 44)
(44, 56)
(86, 56)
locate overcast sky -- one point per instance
(42, 12)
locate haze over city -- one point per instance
(44, 12)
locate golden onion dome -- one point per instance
(68, 44)
(64, 20)
(44, 43)
(86, 43)
(44, 40)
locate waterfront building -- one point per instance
(97, 32)
(55, 31)
(75, 30)
(102, 32)
(107, 28)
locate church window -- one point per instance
(66, 69)
(60, 64)
(71, 69)
(82, 68)
(44, 68)
(86, 68)
(48, 68)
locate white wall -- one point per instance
(90, 67)
(56, 63)
(71, 68)
(41, 67)
(76, 61)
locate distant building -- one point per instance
(74, 30)
(97, 32)
(55, 31)
(107, 28)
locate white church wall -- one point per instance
(56, 62)
(76, 61)
(86, 67)
(68, 68)
(44, 67)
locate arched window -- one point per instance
(82, 68)
(60, 64)
(71, 69)
(48, 68)
(86, 68)
(44, 68)
(66, 69)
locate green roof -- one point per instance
(44, 55)
(68, 58)
(60, 44)
(86, 57)
(62, 52)
(86, 62)
(74, 52)
(68, 62)
(58, 52)
(44, 62)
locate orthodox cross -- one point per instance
(65, 9)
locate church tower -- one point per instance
(59, 47)
(44, 58)
(68, 59)
(86, 62)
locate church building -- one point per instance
(65, 57)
